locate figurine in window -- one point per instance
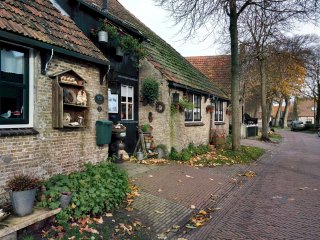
(6, 115)
(82, 98)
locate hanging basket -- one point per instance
(103, 36)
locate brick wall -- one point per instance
(168, 129)
(55, 151)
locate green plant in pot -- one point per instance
(150, 90)
(146, 128)
(23, 191)
(184, 104)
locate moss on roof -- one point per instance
(164, 57)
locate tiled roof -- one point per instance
(216, 68)
(305, 107)
(165, 58)
(41, 21)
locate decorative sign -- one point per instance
(99, 98)
(112, 103)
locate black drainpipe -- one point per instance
(105, 6)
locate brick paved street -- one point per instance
(281, 202)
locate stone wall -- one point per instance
(55, 151)
(171, 129)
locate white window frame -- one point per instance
(31, 89)
(127, 103)
(218, 111)
(193, 109)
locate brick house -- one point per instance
(38, 41)
(178, 79)
(306, 110)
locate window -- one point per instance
(195, 113)
(15, 87)
(126, 102)
(218, 111)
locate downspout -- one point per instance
(104, 6)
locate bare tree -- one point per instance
(194, 14)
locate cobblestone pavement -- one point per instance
(281, 202)
(168, 192)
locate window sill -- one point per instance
(193, 124)
(10, 132)
(219, 123)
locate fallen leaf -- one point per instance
(211, 179)
(182, 239)
(71, 238)
(315, 189)
(277, 197)
(291, 199)
(175, 226)
(98, 220)
(303, 188)
(249, 174)
(189, 176)
(215, 209)
(159, 190)
(150, 176)
(179, 180)
(88, 229)
(193, 207)
(157, 211)
(162, 236)
(129, 209)
(190, 226)
(202, 212)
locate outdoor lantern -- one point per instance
(103, 36)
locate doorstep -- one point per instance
(13, 223)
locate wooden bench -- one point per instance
(13, 223)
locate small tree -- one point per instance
(150, 90)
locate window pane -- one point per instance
(130, 99)
(130, 112)
(123, 90)
(123, 99)
(11, 99)
(130, 91)
(123, 111)
(12, 66)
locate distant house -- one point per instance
(306, 110)
(46, 64)
(216, 68)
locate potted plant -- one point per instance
(65, 199)
(209, 109)
(150, 90)
(146, 128)
(184, 104)
(23, 191)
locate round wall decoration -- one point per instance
(99, 98)
(160, 107)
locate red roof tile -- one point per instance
(40, 20)
(216, 68)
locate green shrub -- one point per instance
(150, 90)
(98, 188)
(185, 154)
(174, 154)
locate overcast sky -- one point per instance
(158, 20)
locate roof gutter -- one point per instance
(106, 14)
(37, 43)
(194, 90)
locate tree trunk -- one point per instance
(269, 113)
(265, 125)
(233, 28)
(278, 115)
(317, 120)
(286, 112)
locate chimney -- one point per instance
(105, 6)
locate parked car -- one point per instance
(297, 125)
